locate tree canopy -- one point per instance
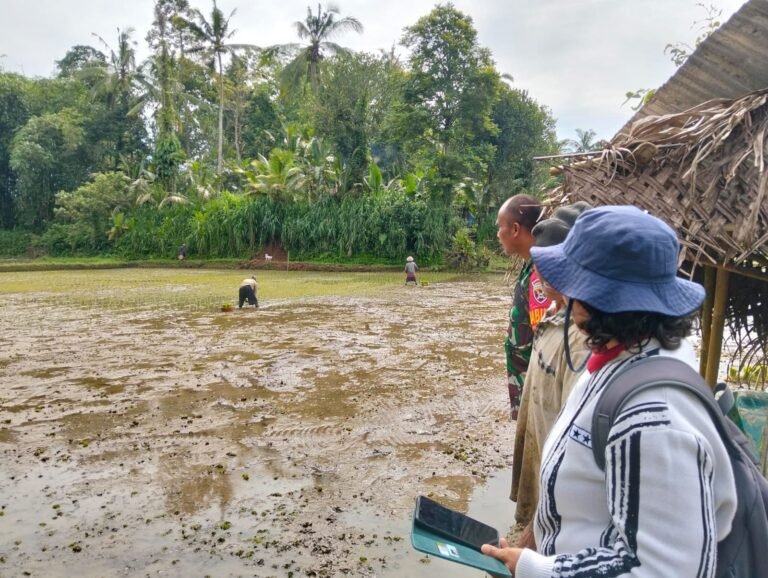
(113, 154)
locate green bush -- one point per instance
(150, 232)
(83, 217)
(61, 240)
(486, 230)
(465, 254)
(15, 243)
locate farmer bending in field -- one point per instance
(248, 291)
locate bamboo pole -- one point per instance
(718, 323)
(706, 317)
(593, 153)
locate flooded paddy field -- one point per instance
(145, 432)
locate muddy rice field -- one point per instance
(146, 432)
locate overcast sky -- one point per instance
(578, 57)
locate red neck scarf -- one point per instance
(599, 358)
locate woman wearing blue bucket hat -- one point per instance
(667, 495)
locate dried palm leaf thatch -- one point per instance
(704, 172)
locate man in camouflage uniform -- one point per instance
(517, 216)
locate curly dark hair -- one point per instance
(634, 329)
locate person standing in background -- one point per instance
(410, 270)
(517, 216)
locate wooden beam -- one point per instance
(585, 154)
(706, 317)
(717, 326)
(753, 273)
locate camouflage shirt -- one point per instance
(519, 340)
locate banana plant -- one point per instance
(119, 225)
(318, 160)
(149, 192)
(277, 177)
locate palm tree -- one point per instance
(316, 30)
(162, 65)
(117, 80)
(584, 143)
(121, 72)
(212, 44)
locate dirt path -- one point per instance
(288, 441)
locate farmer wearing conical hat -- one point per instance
(410, 270)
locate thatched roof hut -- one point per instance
(700, 164)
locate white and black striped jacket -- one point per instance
(666, 498)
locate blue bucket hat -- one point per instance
(620, 259)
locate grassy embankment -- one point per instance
(498, 264)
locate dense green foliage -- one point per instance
(233, 225)
(232, 148)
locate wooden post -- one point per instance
(288, 261)
(706, 318)
(718, 323)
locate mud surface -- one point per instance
(139, 438)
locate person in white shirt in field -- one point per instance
(247, 292)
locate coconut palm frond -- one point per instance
(281, 50)
(335, 49)
(347, 24)
(173, 200)
(294, 72)
(316, 30)
(301, 29)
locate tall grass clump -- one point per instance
(387, 228)
(236, 226)
(152, 233)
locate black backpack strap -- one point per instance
(726, 401)
(642, 374)
(567, 341)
